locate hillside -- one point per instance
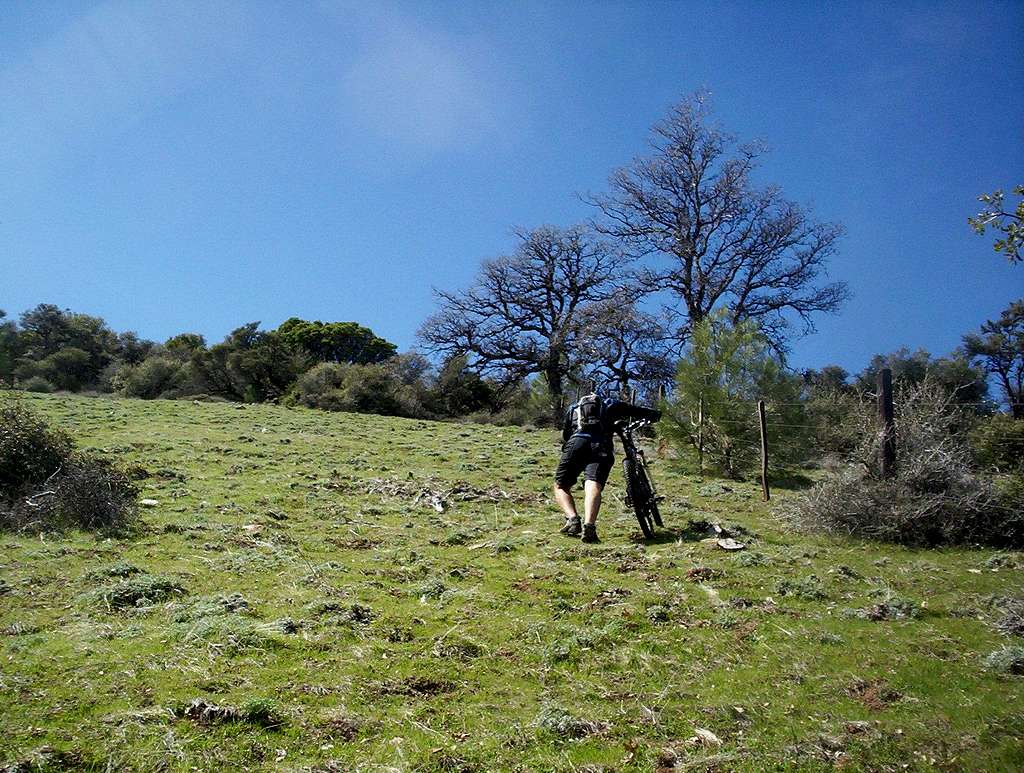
(296, 600)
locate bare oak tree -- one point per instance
(629, 348)
(527, 313)
(721, 241)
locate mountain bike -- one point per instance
(640, 492)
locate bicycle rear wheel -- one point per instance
(639, 496)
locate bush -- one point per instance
(998, 442)
(67, 369)
(152, 378)
(46, 486)
(38, 384)
(30, 452)
(936, 496)
(357, 388)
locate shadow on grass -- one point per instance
(790, 480)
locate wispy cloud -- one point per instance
(104, 71)
(415, 87)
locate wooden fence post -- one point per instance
(764, 451)
(885, 417)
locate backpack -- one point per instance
(588, 413)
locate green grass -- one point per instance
(274, 614)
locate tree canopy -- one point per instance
(713, 238)
(999, 219)
(531, 312)
(999, 347)
(343, 342)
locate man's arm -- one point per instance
(567, 426)
(622, 410)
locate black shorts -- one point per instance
(582, 454)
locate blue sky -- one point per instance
(194, 166)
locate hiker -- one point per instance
(587, 447)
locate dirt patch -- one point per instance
(435, 493)
(356, 543)
(874, 693)
(417, 685)
(702, 574)
(342, 727)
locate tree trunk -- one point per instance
(553, 375)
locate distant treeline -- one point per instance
(341, 366)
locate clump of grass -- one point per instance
(1006, 660)
(657, 614)
(118, 569)
(230, 635)
(1002, 561)
(262, 712)
(432, 589)
(1012, 621)
(214, 605)
(561, 723)
(809, 587)
(138, 591)
(46, 759)
(285, 625)
(894, 608)
(459, 648)
(752, 558)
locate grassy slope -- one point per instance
(512, 622)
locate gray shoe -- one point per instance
(589, 533)
(573, 527)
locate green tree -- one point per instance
(67, 368)
(459, 390)
(47, 330)
(957, 375)
(1010, 224)
(9, 348)
(726, 368)
(250, 365)
(344, 342)
(185, 343)
(999, 347)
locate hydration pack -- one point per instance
(588, 413)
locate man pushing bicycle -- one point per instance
(587, 448)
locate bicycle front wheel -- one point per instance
(639, 496)
(645, 484)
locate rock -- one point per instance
(728, 543)
(702, 737)
(149, 502)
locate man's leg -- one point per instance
(592, 500)
(565, 501)
(572, 526)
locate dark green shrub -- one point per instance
(38, 384)
(68, 369)
(152, 378)
(357, 388)
(30, 452)
(998, 442)
(46, 486)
